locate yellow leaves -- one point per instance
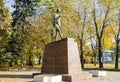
(107, 43)
(5, 19)
(108, 37)
(109, 32)
(5, 22)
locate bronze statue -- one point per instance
(57, 24)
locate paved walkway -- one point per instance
(112, 76)
(25, 76)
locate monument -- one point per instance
(62, 58)
(61, 61)
(57, 23)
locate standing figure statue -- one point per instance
(57, 24)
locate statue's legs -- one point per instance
(58, 31)
(60, 34)
(56, 35)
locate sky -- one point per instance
(8, 4)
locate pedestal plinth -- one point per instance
(62, 57)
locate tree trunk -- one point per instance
(100, 53)
(94, 58)
(81, 54)
(117, 44)
(81, 38)
(117, 54)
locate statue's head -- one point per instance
(58, 10)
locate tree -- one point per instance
(117, 32)
(83, 13)
(36, 38)
(5, 21)
(5, 28)
(24, 9)
(117, 40)
(81, 38)
(100, 26)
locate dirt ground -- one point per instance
(26, 76)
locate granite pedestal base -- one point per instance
(62, 57)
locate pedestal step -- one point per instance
(52, 78)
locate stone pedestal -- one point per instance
(62, 57)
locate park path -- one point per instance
(20, 76)
(112, 76)
(26, 76)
